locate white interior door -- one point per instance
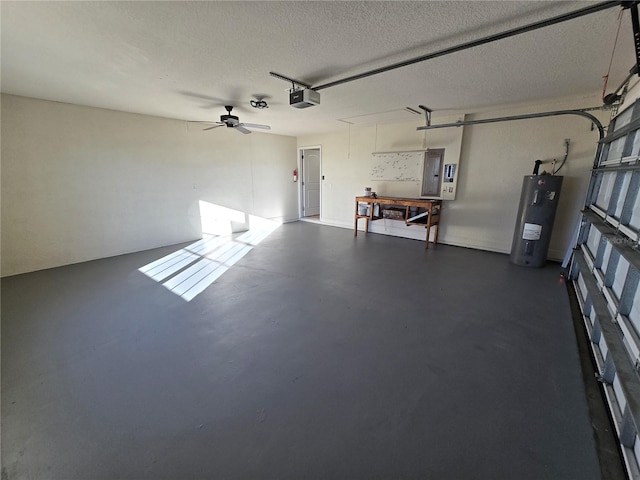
(310, 161)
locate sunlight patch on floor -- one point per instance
(190, 270)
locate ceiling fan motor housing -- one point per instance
(229, 120)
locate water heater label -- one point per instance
(531, 231)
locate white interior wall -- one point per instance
(80, 183)
(346, 162)
(494, 158)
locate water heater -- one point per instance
(536, 213)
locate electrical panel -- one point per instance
(439, 179)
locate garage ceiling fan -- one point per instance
(231, 121)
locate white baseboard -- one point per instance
(397, 228)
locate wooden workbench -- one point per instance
(431, 207)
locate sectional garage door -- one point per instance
(605, 269)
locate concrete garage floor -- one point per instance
(317, 356)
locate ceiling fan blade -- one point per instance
(241, 129)
(211, 128)
(200, 122)
(256, 125)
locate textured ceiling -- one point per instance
(186, 60)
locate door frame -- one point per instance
(301, 177)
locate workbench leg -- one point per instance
(426, 242)
(355, 226)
